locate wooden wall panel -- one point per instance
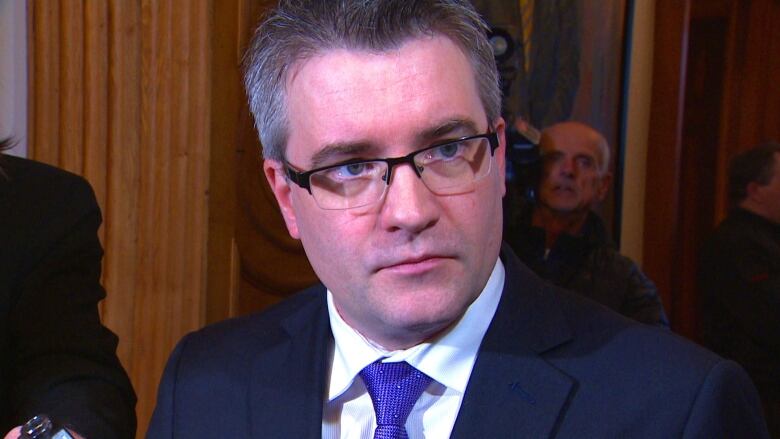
(662, 230)
(95, 136)
(44, 81)
(752, 91)
(701, 119)
(123, 174)
(253, 262)
(120, 93)
(226, 101)
(272, 264)
(715, 81)
(72, 85)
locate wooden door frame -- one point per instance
(662, 234)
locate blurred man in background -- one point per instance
(740, 275)
(563, 240)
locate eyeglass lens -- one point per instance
(444, 169)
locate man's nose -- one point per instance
(567, 167)
(408, 205)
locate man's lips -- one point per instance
(413, 264)
(562, 188)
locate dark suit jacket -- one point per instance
(55, 355)
(552, 364)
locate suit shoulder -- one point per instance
(617, 336)
(258, 330)
(43, 207)
(34, 175)
(656, 366)
(43, 193)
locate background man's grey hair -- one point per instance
(604, 155)
(602, 146)
(754, 165)
(300, 29)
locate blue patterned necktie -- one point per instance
(394, 389)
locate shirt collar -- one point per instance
(448, 359)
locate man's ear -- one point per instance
(500, 153)
(274, 173)
(603, 186)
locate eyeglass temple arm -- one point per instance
(299, 178)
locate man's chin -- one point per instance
(564, 209)
(418, 328)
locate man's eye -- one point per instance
(585, 162)
(447, 151)
(352, 170)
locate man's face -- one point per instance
(571, 180)
(769, 194)
(408, 266)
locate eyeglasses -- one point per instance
(446, 168)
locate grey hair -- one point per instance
(298, 30)
(589, 134)
(604, 156)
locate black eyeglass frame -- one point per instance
(302, 179)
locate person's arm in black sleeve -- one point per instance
(64, 359)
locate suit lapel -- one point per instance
(513, 391)
(288, 380)
(512, 396)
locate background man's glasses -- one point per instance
(446, 168)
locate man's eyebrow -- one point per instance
(460, 127)
(331, 152)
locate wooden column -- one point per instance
(662, 201)
(120, 93)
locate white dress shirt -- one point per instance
(348, 411)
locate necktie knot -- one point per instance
(394, 389)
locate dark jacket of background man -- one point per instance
(55, 355)
(590, 264)
(740, 276)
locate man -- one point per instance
(384, 147)
(564, 241)
(56, 358)
(740, 275)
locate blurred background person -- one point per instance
(56, 358)
(739, 275)
(563, 240)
